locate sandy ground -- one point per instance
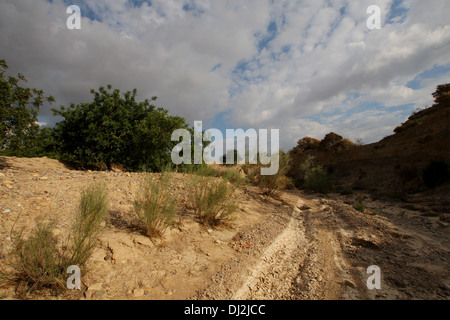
(301, 246)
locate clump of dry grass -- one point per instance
(92, 210)
(212, 199)
(271, 185)
(40, 261)
(155, 205)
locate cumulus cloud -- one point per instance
(305, 67)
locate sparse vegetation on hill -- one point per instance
(414, 159)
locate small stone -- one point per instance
(7, 211)
(138, 292)
(350, 283)
(96, 287)
(43, 178)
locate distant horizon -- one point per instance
(307, 68)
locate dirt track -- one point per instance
(302, 246)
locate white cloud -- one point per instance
(317, 55)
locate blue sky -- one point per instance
(305, 67)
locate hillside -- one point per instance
(411, 164)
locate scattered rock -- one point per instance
(7, 183)
(138, 292)
(350, 283)
(96, 287)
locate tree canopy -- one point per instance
(116, 129)
(19, 108)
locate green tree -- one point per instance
(116, 129)
(442, 95)
(19, 108)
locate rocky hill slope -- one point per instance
(412, 163)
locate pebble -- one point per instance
(138, 292)
(7, 211)
(96, 287)
(350, 283)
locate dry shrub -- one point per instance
(212, 199)
(155, 205)
(272, 185)
(92, 210)
(41, 260)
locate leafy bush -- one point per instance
(19, 107)
(330, 141)
(155, 206)
(116, 129)
(212, 199)
(306, 144)
(316, 178)
(41, 261)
